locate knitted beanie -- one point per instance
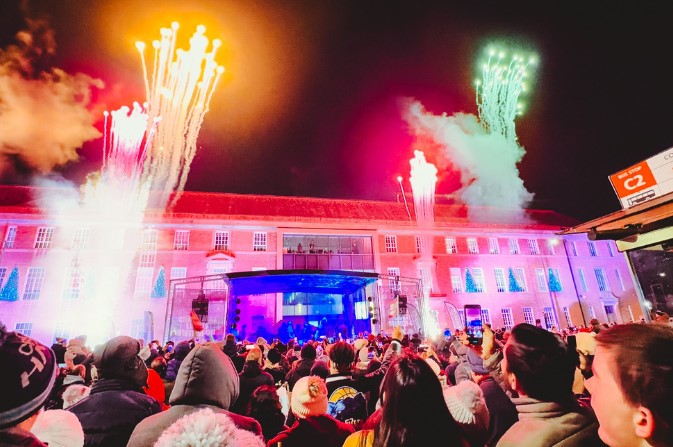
(58, 428)
(467, 405)
(27, 375)
(205, 428)
(309, 397)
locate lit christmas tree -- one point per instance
(159, 290)
(470, 286)
(513, 283)
(10, 291)
(554, 284)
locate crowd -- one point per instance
(609, 385)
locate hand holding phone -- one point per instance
(473, 324)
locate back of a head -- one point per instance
(118, 359)
(254, 355)
(58, 428)
(540, 360)
(644, 368)
(413, 405)
(342, 355)
(320, 369)
(308, 351)
(264, 400)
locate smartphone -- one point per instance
(473, 325)
(249, 347)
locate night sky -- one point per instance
(310, 102)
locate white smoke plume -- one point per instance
(43, 110)
(491, 187)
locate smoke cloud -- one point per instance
(491, 187)
(43, 110)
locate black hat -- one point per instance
(308, 351)
(118, 359)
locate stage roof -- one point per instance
(308, 281)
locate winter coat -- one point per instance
(179, 354)
(207, 379)
(111, 411)
(543, 424)
(13, 437)
(250, 378)
(322, 430)
(301, 369)
(500, 407)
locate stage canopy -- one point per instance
(308, 281)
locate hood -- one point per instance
(206, 376)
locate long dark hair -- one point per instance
(265, 407)
(413, 410)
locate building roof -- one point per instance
(25, 199)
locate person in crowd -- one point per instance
(230, 348)
(27, 375)
(265, 407)
(467, 406)
(58, 428)
(413, 411)
(539, 367)
(320, 369)
(67, 377)
(596, 326)
(59, 348)
(250, 378)
(300, 369)
(207, 428)
(207, 379)
(155, 388)
(632, 385)
(272, 366)
(179, 353)
(313, 426)
(73, 394)
(502, 412)
(116, 402)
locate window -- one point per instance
(143, 282)
(426, 278)
(24, 328)
(549, 317)
(149, 240)
(478, 276)
(74, 280)
(219, 284)
(611, 250)
(393, 281)
(620, 280)
(557, 286)
(500, 284)
(80, 238)
(566, 313)
(485, 316)
(419, 244)
(493, 245)
(181, 240)
(391, 244)
(583, 280)
(147, 260)
(513, 246)
(520, 276)
(10, 237)
(451, 246)
(533, 247)
(592, 248)
(541, 280)
(178, 273)
(3, 274)
(472, 245)
(44, 237)
(592, 312)
(551, 243)
(601, 280)
(507, 318)
(456, 281)
(528, 315)
(573, 248)
(33, 283)
(259, 241)
(628, 308)
(221, 240)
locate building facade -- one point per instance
(66, 275)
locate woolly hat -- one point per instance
(274, 355)
(58, 428)
(476, 363)
(205, 428)
(308, 351)
(309, 397)
(118, 358)
(467, 405)
(359, 344)
(27, 376)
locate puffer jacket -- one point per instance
(179, 354)
(207, 379)
(111, 411)
(250, 378)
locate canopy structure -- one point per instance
(307, 281)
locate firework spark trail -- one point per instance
(499, 89)
(180, 91)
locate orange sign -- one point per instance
(633, 179)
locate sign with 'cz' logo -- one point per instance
(644, 181)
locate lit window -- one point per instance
(33, 283)
(147, 260)
(3, 274)
(181, 240)
(583, 280)
(551, 243)
(528, 315)
(24, 328)
(456, 280)
(566, 313)
(533, 247)
(80, 238)
(520, 275)
(178, 273)
(507, 318)
(10, 237)
(541, 280)
(391, 244)
(149, 240)
(513, 246)
(393, 280)
(259, 241)
(419, 244)
(549, 319)
(501, 285)
(451, 246)
(592, 312)
(601, 280)
(573, 248)
(620, 280)
(74, 280)
(555, 280)
(143, 282)
(493, 245)
(472, 245)
(592, 248)
(44, 237)
(221, 240)
(611, 250)
(486, 316)
(478, 276)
